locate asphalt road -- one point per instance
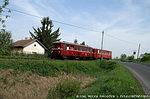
(142, 73)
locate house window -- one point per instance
(34, 52)
(34, 45)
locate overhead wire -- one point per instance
(72, 25)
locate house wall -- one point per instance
(19, 50)
(34, 48)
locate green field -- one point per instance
(84, 78)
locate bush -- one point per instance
(5, 43)
(108, 65)
(123, 57)
(146, 57)
(130, 58)
(65, 89)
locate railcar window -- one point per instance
(80, 48)
(72, 47)
(88, 49)
(65, 46)
(68, 47)
(91, 50)
(85, 49)
(75, 47)
(100, 52)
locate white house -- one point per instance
(29, 46)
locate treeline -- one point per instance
(124, 58)
(143, 58)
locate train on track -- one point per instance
(66, 50)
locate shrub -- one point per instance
(5, 42)
(108, 65)
(130, 58)
(146, 57)
(64, 89)
(123, 57)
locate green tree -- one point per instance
(146, 57)
(130, 58)
(83, 43)
(3, 17)
(123, 57)
(75, 41)
(45, 34)
(5, 42)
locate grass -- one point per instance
(25, 56)
(64, 89)
(115, 82)
(111, 77)
(50, 67)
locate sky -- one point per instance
(125, 23)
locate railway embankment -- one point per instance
(61, 79)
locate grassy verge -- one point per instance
(116, 82)
(147, 62)
(25, 56)
(110, 77)
(50, 67)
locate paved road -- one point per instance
(142, 73)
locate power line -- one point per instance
(54, 20)
(23, 12)
(121, 39)
(72, 25)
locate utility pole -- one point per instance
(102, 43)
(138, 51)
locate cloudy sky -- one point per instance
(126, 22)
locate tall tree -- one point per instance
(45, 34)
(5, 42)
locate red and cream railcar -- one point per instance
(70, 50)
(105, 54)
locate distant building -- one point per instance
(29, 46)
